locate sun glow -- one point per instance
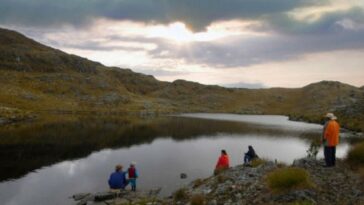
(176, 31)
(179, 32)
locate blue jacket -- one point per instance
(117, 180)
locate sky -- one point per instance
(233, 43)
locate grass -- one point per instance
(257, 162)
(197, 183)
(180, 195)
(13, 114)
(198, 199)
(55, 81)
(356, 155)
(281, 165)
(285, 179)
(304, 202)
(221, 179)
(361, 174)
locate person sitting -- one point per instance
(118, 179)
(250, 155)
(223, 162)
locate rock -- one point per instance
(80, 196)
(212, 202)
(114, 98)
(3, 121)
(183, 176)
(29, 96)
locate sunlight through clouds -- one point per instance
(224, 44)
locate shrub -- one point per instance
(198, 199)
(281, 165)
(221, 178)
(257, 162)
(180, 195)
(285, 179)
(356, 155)
(197, 183)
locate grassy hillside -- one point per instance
(38, 79)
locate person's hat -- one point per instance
(133, 163)
(331, 116)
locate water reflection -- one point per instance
(28, 147)
(162, 148)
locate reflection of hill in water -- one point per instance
(28, 147)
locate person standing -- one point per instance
(330, 139)
(223, 162)
(132, 176)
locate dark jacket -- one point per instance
(117, 180)
(251, 153)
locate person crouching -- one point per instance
(117, 180)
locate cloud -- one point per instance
(288, 39)
(196, 14)
(158, 72)
(244, 85)
(276, 37)
(327, 23)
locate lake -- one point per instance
(47, 162)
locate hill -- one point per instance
(38, 79)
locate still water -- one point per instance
(45, 163)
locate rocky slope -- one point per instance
(248, 185)
(40, 79)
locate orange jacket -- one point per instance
(223, 162)
(331, 133)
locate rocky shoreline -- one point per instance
(248, 185)
(13, 115)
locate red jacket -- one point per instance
(331, 133)
(223, 162)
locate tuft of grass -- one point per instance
(281, 165)
(257, 162)
(356, 155)
(197, 183)
(198, 199)
(285, 179)
(361, 173)
(180, 195)
(221, 179)
(304, 202)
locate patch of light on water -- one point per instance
(267, 120)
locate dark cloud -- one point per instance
(196, 13)
(327, 24)
(288, 37)
(343, 30)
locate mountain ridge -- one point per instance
(41, 79)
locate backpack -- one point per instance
(132, 172)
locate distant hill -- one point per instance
(39, 79)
